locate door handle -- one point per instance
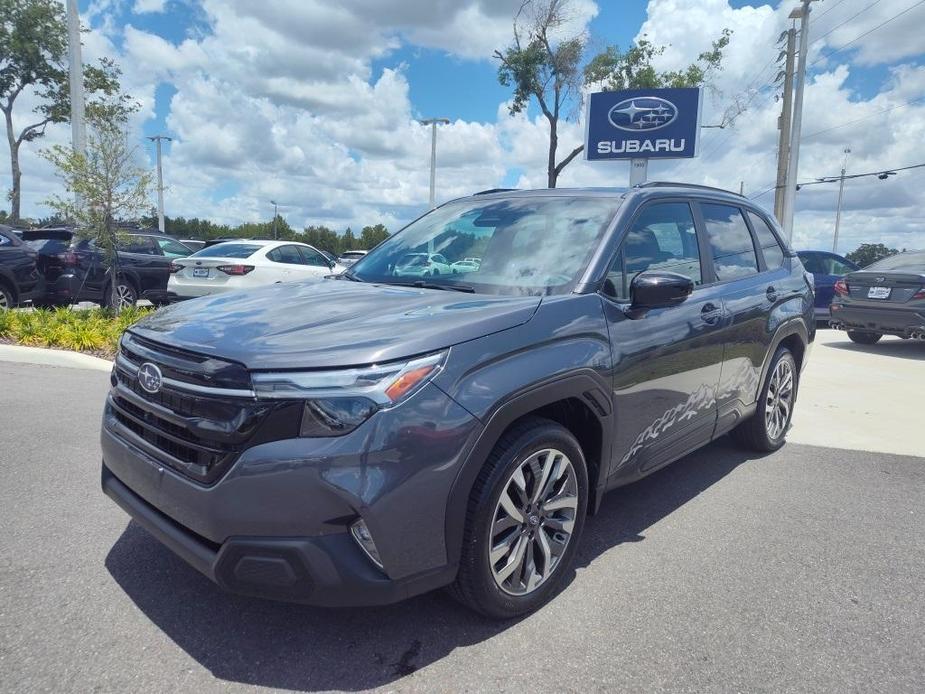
(771, 293)
(710, 313)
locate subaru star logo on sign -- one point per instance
(642, 124)
(149, 377)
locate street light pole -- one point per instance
(160, 181)
(841, 190)
(432, 122)
(796, 125)
(275, 215)
(76, 76)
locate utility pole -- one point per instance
(76, 75)
(160, 181)
(432, 122)
(841, 190)
(275, 215)
(793, 164)
(783, 143)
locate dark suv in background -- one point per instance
(375, 435)
(20, 279)
(75, 269)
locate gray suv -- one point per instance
(376, 436)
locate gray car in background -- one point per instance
(373, 436)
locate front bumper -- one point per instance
(276, 524)
(891, 320)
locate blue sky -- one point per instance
(315, 103)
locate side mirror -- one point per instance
(657, 289)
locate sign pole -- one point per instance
(639, 171)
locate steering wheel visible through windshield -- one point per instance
(516, 245)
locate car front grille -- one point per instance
(202, 417)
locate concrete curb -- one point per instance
(52, 357)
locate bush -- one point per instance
(96, 331)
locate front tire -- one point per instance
(526, 513)
(7, 299)
(864, 338)
(766, 430)
(126, 295)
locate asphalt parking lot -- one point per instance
(797, 571)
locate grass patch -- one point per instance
(93, 331)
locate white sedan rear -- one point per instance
(235, 265)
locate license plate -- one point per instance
(878, 293)
(200, 272)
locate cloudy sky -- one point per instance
(314, 103)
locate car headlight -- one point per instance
(338, 401)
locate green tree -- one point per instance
(372, 236)
(105, 185)
(550, 71)
(868, 253)
(33, 55)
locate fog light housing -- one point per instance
(334, 416)
(364, 539)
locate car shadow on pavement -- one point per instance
(297, 647)
(904, 349)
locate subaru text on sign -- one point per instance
(642, 124)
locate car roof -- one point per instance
(648, 189)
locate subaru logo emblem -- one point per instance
(149, 377)
(642, 113)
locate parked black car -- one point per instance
(75, 269)
(372, 436)
(885, 298)
(20, 280)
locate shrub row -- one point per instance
(95, 331)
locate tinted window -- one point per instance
(312, 257)
(173, 249)
(836, 266)
(228, 250)
(730, 241)
(913, 262)
(773, 253)
(662, 238)
(5, 241)
(143, 245)
(286, 254)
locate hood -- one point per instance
(331, 323)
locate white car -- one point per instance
(348, 258)
(242, 264)
(422, 265)
(466, 265)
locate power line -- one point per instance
(829, 9)
(833, 179)
(858, 120)
(866, 33)
(846, 21)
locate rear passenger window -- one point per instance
(663, 237)
(773, 253)
(731, 242)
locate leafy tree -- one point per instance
(105, 185)
(33, 55)
(538, 66)
(372, 236)
(868, 253)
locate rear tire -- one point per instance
(864, 338)
(517, 552)
(128, 295)
(766, 430)
(7, 298)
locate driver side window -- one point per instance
(663, 237)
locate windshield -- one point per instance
(914, 262)
(519, 245)
(228, 250)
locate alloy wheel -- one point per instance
(779, 399)
(125, 296)
(5, 303)
(533, 522)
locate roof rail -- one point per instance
(494, 190)
(672, 184)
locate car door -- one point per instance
(18, 263)
(286, 263)
(143, 262)
(749, 294)
(832, 268)
(314, 264)
(667, 361)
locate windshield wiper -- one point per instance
(348, 276)
(422, 284)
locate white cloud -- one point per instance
(149, 6)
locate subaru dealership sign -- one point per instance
(642, 124)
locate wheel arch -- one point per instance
(795, 337)
(9, 284)
(580, 402)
